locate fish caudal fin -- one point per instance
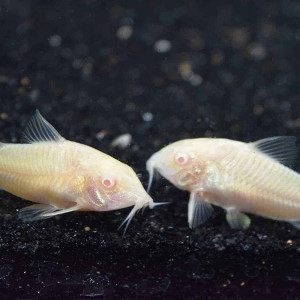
(236, 219)
(199, 210)
(37, 212)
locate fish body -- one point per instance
(64, 176)
(239, 177)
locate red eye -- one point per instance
(108, 182)
(181, 158)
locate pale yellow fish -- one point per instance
(65, 176)
(236, 176)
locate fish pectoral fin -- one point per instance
(37, 212)
(199, 210)
(236, 219)
(40, 130)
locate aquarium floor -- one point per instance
(223, 70)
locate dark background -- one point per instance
(160, 71)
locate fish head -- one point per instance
(180, 163)
(116, 186)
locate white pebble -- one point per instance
(124, 32)
(55, 40)
(195, 79)
(257, 51)
(123, 141)
(101, 135)
(147, 116)
(162, 46)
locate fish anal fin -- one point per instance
(40, 130)
(237, 220)
(199, 210)
(37, 212)
(281, 148)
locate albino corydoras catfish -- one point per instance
(64, 176)
(239, 177)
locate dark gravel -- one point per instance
(161, 71)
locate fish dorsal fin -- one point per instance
(40, 130)
(281, 148)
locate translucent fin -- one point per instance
(281, 148)
(296, 224)
(37, 212)
(40, 130)
(237, 220)
(199, 210)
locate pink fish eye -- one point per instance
(181, 158)
(108, 182)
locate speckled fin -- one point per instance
(199, 210)
(37, 212)
(281, 148)
(237, 220)
(40, 130)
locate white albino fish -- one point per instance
(239, 177)
(64, 176)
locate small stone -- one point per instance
(257, 51)
(195, 79)
(87, 228)
(185, 70)
(3, 116)
(3, 79)
(24, 81)
(217, 58)
(162, 46)
(258, 110)
(237, 35)
(34, 94)
(101, 134)
(147, 116)
(55, 40)
(124, 32)
(293, 123)
(123, 141)
(113, 59)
